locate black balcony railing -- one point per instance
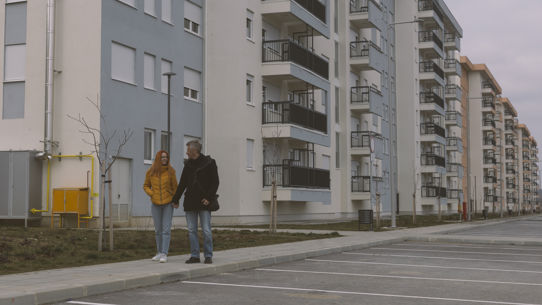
(490, 198)
(292, 113)
(489, 141)
(424, 36)
(432, 159)
(511, 200)
(449, 37)
(431, 66)
(510, 142)
(361, 48)
(510, 185)
(451, 89)
(288, 50)
(360, 139)
(488, 102)
(490, 160)
(488, 85)
(454, 142)
(361, 184)
(315, 7)
(432, 129)
(450, 63)
(431, 98)
(287, 175)
(453, 167)
(361, 94)
(453, 115)
(429, 5)
(490, 179)
(454, 193)
(489, 123)
(359, 6)
(510, 157)
(433, 191)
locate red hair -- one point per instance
(156, 167)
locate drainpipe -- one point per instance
(49, 73)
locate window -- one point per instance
(337, 114)
(148, 153)
(192, 17)
(164, 141)
(15, 63)
(264, 94)
(250, 154)
(15, 24)
(150, 7)
(149, 62)
(192, 84)
(336, 17)
(166, 11)
(13, 100)
(249, 82)
(337, 153)
(122, 63)
(250, 16)
(336, 59)
(165, 67)
(129, 2)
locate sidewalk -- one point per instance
(62, 284)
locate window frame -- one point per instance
(152, 132)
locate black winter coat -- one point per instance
(205, 188)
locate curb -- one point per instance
(114, 285)
(470, 240)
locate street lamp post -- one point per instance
(390, 150)
(169, 75)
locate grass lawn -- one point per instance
(38, 248)
(402, 221)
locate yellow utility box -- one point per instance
(70, 201)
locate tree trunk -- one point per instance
(110, 211)
(273, 207)
(101, 207)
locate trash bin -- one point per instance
(365, 217)
(485, 212)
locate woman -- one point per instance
(160, 185)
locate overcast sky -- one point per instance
(506, 35)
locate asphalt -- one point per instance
(433, 265)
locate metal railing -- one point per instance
(490, 141)
(454, 142)
(360, 139)
(361, 184)
(453, 167)
(449, 37)
(425, 36)
(431, 66)
(361, 48)
(287, 175)
(429, 5)
(490, 160)
(490, 179)
(315, 7)
(432, 159)
(488, 85)
(290, 112)
(488, 102)
(450, 63)
(454, 193)
(451, 89)
(432, 128)
(433, 191)
(490, 198)
(288, 50)
(431, 98)
(453, 115)
(359, 6)
(488, 122)
(361, 94)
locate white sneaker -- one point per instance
(163, 259)
(157, 257)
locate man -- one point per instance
(200, 180)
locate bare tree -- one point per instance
(275, 148)
(107, 146)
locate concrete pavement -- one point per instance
(57, 285)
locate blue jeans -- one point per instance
(162, 216)
(192, 222)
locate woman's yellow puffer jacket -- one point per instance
(161, 188)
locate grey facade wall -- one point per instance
(129, 106)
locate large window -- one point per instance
(149, 63)
(249, 86)
(165, 66)
(192, 84)
(192, 17)
(250, 154)
(166, 11)
(250, 17)
(122, 63)
(148, 153)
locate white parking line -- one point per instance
(354, 293)
(443, 258)
(518, 248)
(398, 277)
(422, 266)
(453, 251)
(86, 303)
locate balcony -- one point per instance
(297, 14)
(488, 122)
(454, 144)
(432, 129)
(510, 170)
(429, 6)
(511, 186)
(431, 101)
(366, 99)
(360, 184)
(488, 88)
(510, 157)
(453, 92)
(430, 42)
(490, 179)
(360, 142)
(489, 160)
(433, 191)
(452, 67)
(454, 118)
(290, 112)
(490, 198)
(489, 141)
(452, 42)
(288, 51)
(510, 142)
(511, 200)
(432, 160)
(365, 55)
(289, 175)
(454, 170)
(454, 194)
(488, 104)
(431, 72)
(366, 14)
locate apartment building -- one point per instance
(114, 53)
(429, 117)
(510, 150)
(529, 170)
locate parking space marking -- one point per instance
(398, 277)
(422, 266)
(519, 248)
(354, 293)
(453, 251)
(86, 303)
(442, 257)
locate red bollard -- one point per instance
(464, 211)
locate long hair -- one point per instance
(156, 167)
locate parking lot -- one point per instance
(526, 227)
(403, 273)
